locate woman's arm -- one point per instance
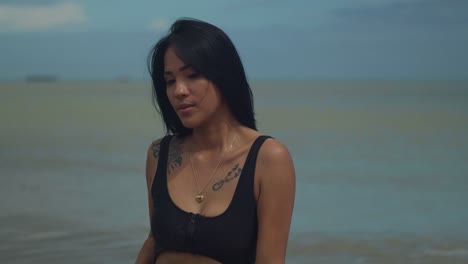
(277, 187)
(146, 253)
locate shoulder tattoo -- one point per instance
(155, 148)
(175, 154)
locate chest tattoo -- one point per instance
(234, 173)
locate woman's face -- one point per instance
(194, 98)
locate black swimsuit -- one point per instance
(230, 237)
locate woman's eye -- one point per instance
(170, 82)
(194, 75)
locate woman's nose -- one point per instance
(181, 89)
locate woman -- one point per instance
(219, 191)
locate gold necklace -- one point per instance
(200, 196)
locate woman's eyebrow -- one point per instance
(183, 68)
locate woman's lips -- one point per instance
(185, 109)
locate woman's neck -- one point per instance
(218, 137)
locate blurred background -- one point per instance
(371, 97)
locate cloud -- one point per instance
(158, 24)
(28, 17)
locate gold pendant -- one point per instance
(199, 198)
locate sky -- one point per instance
(287, 40)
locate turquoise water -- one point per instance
(382, 169)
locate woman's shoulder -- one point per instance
(152, 157)
(173, 144)
(273, 151)
(154, 148)
(275, 167)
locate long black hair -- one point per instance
(210, 52)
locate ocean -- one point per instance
(381, 167)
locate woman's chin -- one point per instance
(193, 121)
(189, 123)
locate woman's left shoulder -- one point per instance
(274, 157)
(274, 151)
(275, 171)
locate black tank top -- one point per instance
(230, 237)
